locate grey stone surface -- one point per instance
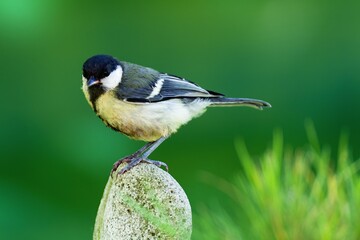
(144, 203)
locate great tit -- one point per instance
(145, 104)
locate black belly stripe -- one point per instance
(95, 93)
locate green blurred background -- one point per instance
(301, 56)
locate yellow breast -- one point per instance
(142, 121)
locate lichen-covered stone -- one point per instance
(144, 203)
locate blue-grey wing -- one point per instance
(164, 87)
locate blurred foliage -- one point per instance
(301, 56)
(288, 194)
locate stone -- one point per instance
(144, 203)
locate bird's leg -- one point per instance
(144, 155)
(128, 159)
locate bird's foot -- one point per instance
(120, 161)
(132, 162)
(157, 163)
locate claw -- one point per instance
(120, 161)
(131, 164)
(157, 163)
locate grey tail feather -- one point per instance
(248, 102)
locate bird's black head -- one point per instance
(99, 66)
(101, 73)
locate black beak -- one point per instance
(92, 81)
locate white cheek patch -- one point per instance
(111, 81)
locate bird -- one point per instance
(145, 104)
